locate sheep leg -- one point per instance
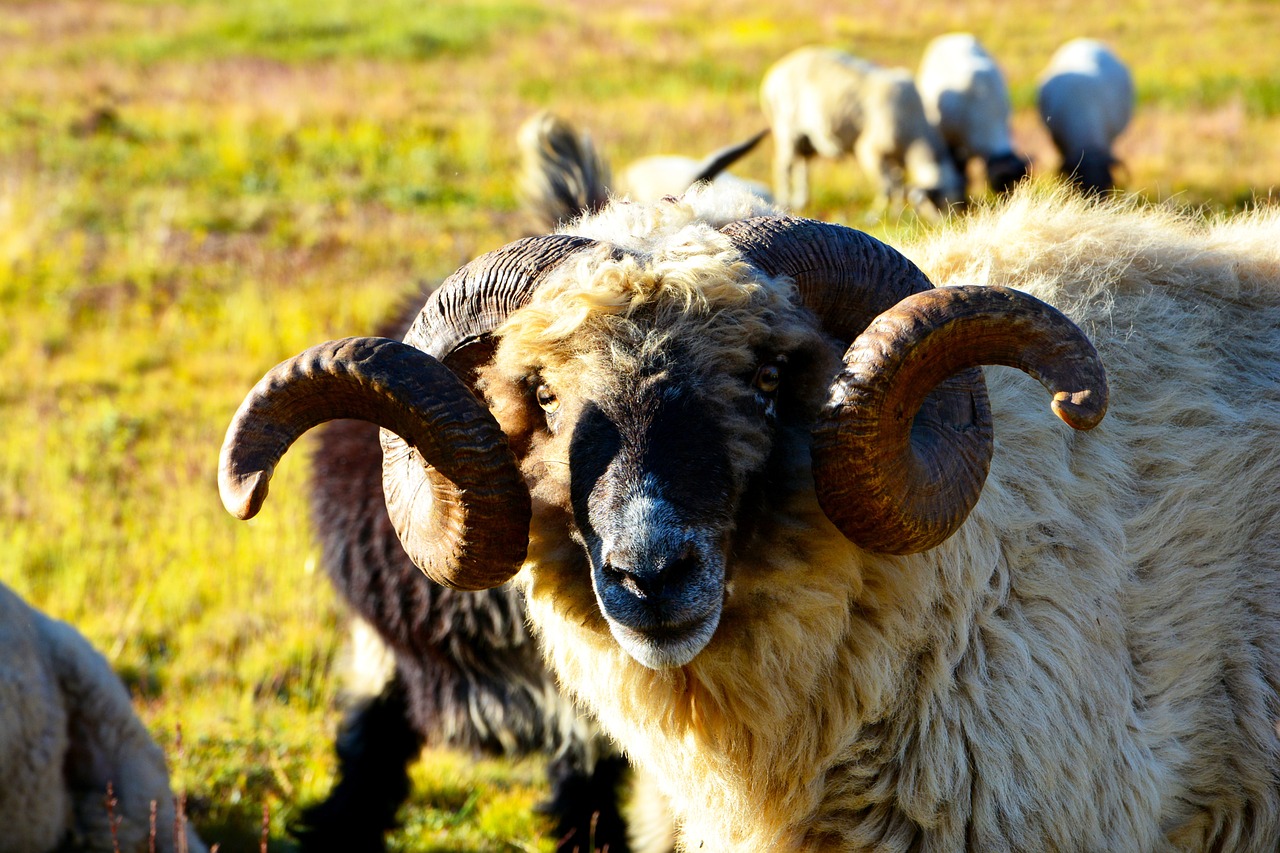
(375, 746)
(790, 176)
(885, 172)
(584, 804)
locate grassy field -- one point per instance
(192, 190)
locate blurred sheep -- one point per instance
(67, 731)
(822, 102)
(965, 96)
(1086, 100)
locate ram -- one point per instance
(1085, 98)
(823, 102)
(68, 736)
(966, 98)
(832, 584)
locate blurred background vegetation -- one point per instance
(192, 190)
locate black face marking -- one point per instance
(665, 441)
(652, 493)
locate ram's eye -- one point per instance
(546, 398)
(768, 378)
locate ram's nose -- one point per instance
(651, 576)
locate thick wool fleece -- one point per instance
(1090, 663)
(67, 729)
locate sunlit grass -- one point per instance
(192, 191)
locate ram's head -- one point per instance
(644, 401)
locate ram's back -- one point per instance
(1134, 604)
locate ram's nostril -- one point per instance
(675, 573)
(623, 576)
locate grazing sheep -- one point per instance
(824, 102)
(828, 586)
(563, 176)
(67, 731)
(966, 98)
(1085, 98)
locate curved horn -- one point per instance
(905, 443)
(878, 473)
(479, 509)
(475, 300)
(455, 326)
(848, 278)
(844, 276)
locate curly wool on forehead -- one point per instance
(665, 261)
(641, 228)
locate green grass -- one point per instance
(192, 191)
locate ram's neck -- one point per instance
(808, 655)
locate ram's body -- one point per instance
(1092, 661)
(1083, 658)
(67, 731)
(966, 98)
(1086, 97)
(823, 102)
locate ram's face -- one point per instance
(654, 432)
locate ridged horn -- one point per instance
(479, 509)
(845, 277)
(454, 491)
(900, 469)
(455, 326)
(896, 483)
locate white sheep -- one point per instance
(828, 586)
(67, 730)
(1086, 100)
(659, 175)
(966, 98)
(823, 102)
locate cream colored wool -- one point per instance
(1091, 663)
(67, 729)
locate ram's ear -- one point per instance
(467, 359)
(515, 413)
